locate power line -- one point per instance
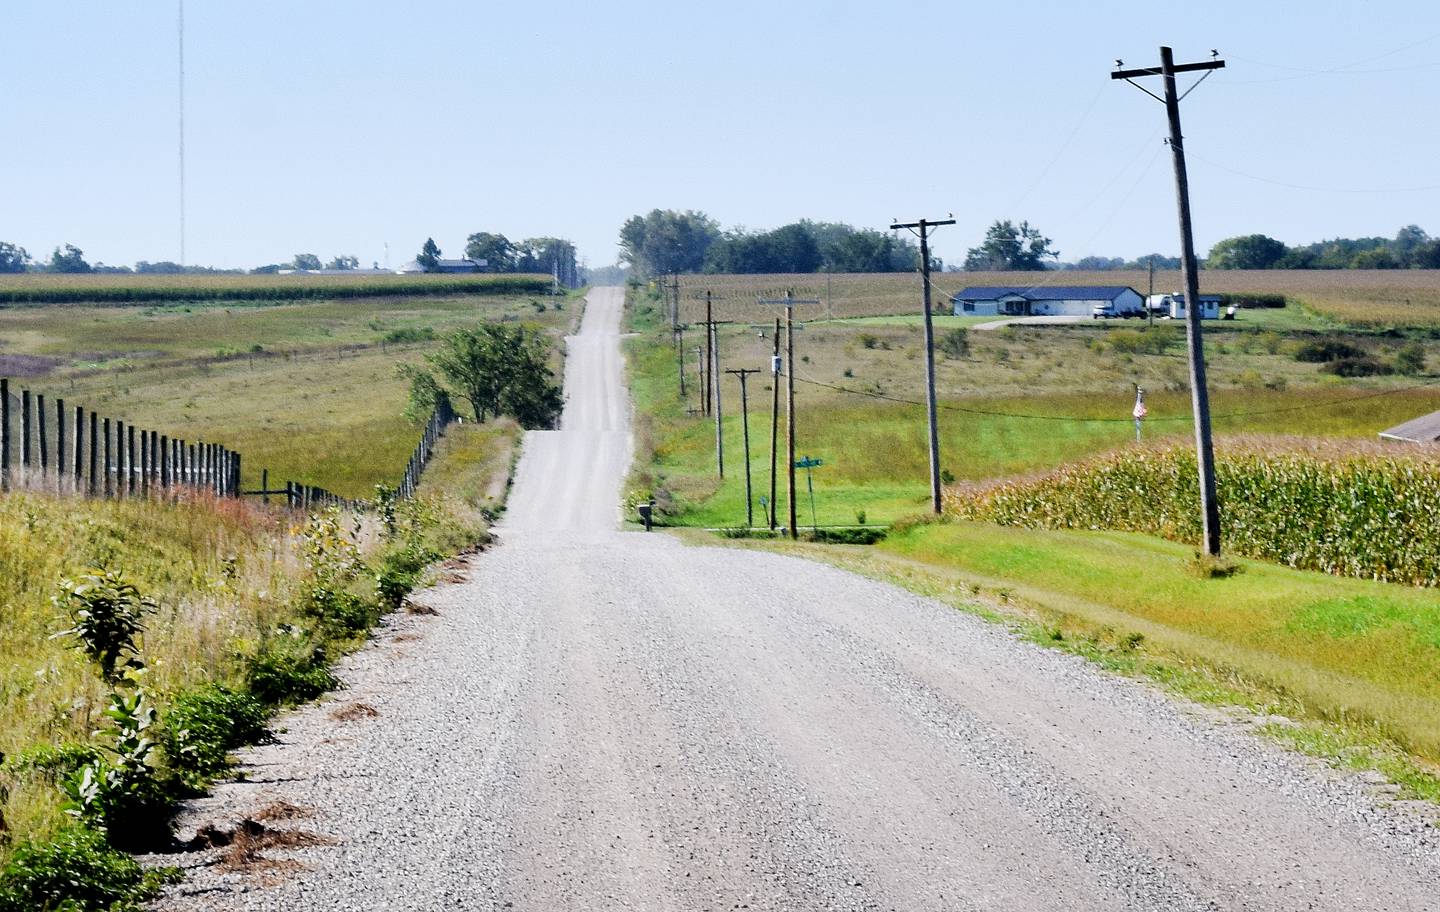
(1319, 189)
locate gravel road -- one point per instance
(599, 720)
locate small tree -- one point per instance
(344, 262)
(496, 369)
(429, 256)
(306, 261)
(106, 614)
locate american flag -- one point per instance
(1140, 410)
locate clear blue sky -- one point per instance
(333, 127)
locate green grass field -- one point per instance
(874, 448)
(307, 391)
(1336, 649)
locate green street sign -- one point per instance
(809, 462)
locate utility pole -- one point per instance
(712, 364)
(699, 378)
(709, 360)
(1150, 311)
(680, 356)
(790, 301)
(719, 412)
(921, 229)
(1199, 391)
(743, 373)
(774, 418)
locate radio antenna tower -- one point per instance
(182, 130)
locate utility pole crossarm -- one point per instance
(1179, 68)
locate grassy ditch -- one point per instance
(1334, 668)
(186, 624)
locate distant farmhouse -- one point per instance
(1047, 301)
(1425, 429)
(414, 266)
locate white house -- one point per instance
(1174, 305)
(1045, 300)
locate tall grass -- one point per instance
(1348, 509)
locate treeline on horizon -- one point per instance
(540, 255)
(667, 241)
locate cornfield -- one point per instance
(1351, 510)
(130, 289)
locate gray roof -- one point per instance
(1044, 292)
(1425, 429)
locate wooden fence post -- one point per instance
(25, 430)
(154, 458)
(235, 475)
(119, 458)
(4, 434)
(62, 464)
(79, 450)
(130, 464)
(95, 453)
(109, 456)
(165, 461)
(44, 440)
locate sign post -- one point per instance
(808, 463)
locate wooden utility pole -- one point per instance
(774, 418)
(699, 379)
(718, 375)
(680, 356)
(709, 357)
(921, 229)
(1149, 310)
(743, 373)
(789, 365)
(1199, 391)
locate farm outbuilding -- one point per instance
(443, 265)
(1425, 429)
(1174, 305)
(1046, 301)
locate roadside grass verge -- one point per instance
(1333, 650)
(252, 606)
(1336, 669)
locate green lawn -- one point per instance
(1347, 650)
